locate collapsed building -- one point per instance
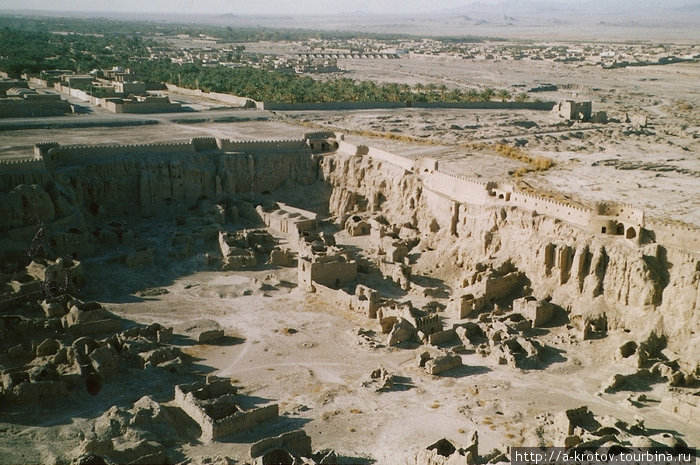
(608, 254)
(214, 405)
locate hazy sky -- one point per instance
(243, 6)
(320, 7)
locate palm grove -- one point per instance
(29, 46)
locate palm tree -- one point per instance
(487, 94)
(503, 95)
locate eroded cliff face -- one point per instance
(153, 183)
(62, 206)
(601, 279)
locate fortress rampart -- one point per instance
(223, 166)
(79, 154)
(607, 218)
(678, 236)
(54, 155)
(228, 145)
(148, 178)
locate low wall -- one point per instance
(378, 154)
(213, 429)
(341, 299)
(21, 108)
(81, 94)
(681, 237)
(73, 154)
(142, 107)
(281, 106)
(241, 421)
(336, 297)
(296, 441)
(442, 336)
(229, 99)
(334, 273)
(229, 145)
(577, 215)
(539, 106)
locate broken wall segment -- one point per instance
(483, 293)
(297, 442)
(436, 362)
(213, 406)
(441, 189)
(288, 220)
(89, 318)
(235, 257)
(329, 270)
(571, 110)
(364, 301)
(537, 311)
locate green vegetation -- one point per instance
(29, 45)
(105, 26)
(33, 51)
(536, 163)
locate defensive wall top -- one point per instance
(603, 215)
(54, 154)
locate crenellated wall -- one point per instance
(624, 212)
(378, 154)
(609, 218)
(85, 154)
(68, 186)
(679, 236)
(579, 216)
(17, 172)
(457, 187)
(228, 145)
(642, 286)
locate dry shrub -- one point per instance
(684, 106)
(542, 163)
(537, 163)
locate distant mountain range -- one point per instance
(629, 19)
(511, 10)
(588, 7)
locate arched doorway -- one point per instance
(631, 233)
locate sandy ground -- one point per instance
(286, 346)
(656, 167)
(316, 371)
